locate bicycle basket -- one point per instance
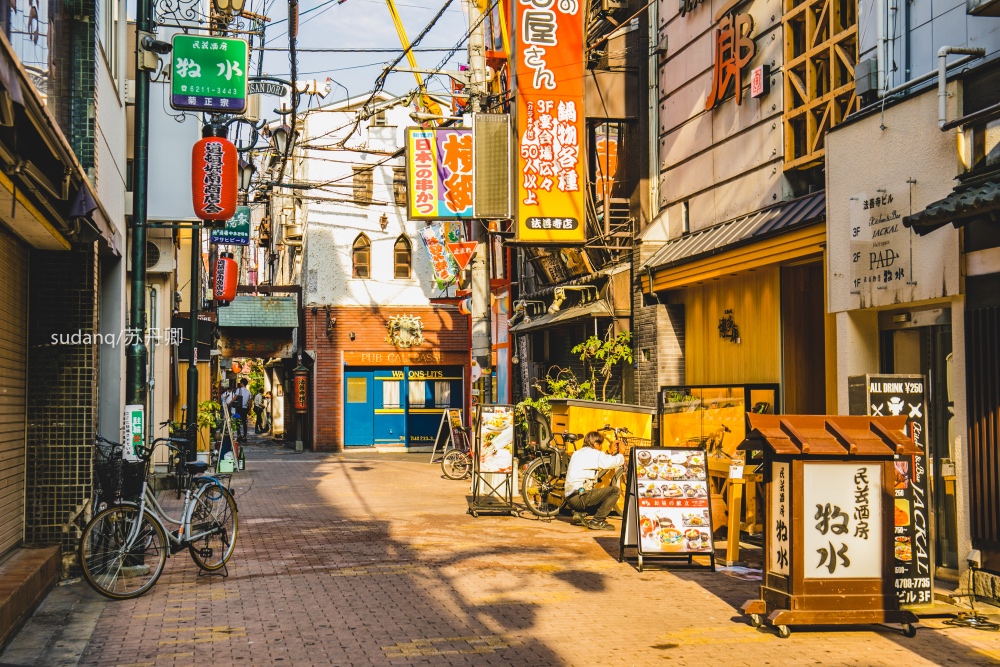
(116, 477)
(133, 475)
(632, 441)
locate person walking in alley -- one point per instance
(258, 412)
(241, 401)
(581, 475)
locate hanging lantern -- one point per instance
(226, 277)
(236, 367)
(465, 306)
(301, 389)
(214, 176)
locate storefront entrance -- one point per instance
(919, 342)
(398, 406)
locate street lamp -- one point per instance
(228, 6)
(246, 172)
(283, 138)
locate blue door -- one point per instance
(429, 392)
(390, 407)
(359, 408)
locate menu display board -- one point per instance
(448, 434)
(667, 507)
(496, 439)
(897, 395)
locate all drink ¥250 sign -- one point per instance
(208, 74)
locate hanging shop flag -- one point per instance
(462, 252)
(237, 229)
(438, 174)
(443, 263)
(550, 121)
(214, 179)
(208, 74)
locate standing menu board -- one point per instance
(667, 509)
(904, 395)
(449, 432)
(493, 477)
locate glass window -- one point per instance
(401, 252)
(418, 393)
(399, 185)
(361, 257)
(363, 182)
(390, 394)
(109, 35)
(442, 394)
(357, 390)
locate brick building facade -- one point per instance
(351, 341)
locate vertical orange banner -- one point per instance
(551, 137)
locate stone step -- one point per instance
(25, 577)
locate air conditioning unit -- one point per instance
(159, 256)
(866, 77)
(491, 173)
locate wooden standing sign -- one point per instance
(448, 432)
(668, 515)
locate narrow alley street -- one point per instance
(370, 559)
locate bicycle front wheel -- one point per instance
(539, 488)
(214, 523)
(116, 563)
(456, 464)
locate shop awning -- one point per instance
(966, 203)
(829, 435)
(598, 308)
(260, 311)
(776, 233)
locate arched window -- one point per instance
(361, 257)
(401, 254)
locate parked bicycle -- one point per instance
(180, 447)
(544, 479)
(457, 461)
(124, 548)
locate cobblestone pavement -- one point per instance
(370, 559)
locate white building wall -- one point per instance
(333, 226)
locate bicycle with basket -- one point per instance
(124, 547)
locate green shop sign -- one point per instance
(237, 229)
(208, 74)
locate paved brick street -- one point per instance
(369, 559)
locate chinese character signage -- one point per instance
(445, 268)
(550, 121)
(208, 74)
(671, 488)
(214, 182)
(842, 510)
(135, 433)
(439, 174)
(237, 229)
(879, 242)
(904, 395)
(780, 518)
(734, 48)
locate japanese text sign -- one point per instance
(842, 517)
(214, 179)
(439, 174)
(779, 518)
(671, 487)
(462, 252)
(879, 242)
(135, 430)
(734, 48)
(237, 229)
(442, 261)
(550, 121)
(208, 74)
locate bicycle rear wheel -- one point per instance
(456, 464)
(214, 523)
(539, 488)
(114, 567)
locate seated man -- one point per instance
(581, 476)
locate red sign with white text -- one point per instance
(462, 252)
(550, 121)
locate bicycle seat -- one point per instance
(571, 437)
(196, 467)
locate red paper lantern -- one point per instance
(214, 176)
(226, 277)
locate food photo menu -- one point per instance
(673, 501)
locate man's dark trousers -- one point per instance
(603, 499)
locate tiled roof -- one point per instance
(963, 204)
(248, 310)
(718, 238)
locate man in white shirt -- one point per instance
(581, 476)
(242, 402)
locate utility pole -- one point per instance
(481, 344)
(135, 352)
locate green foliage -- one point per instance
(602, 355)
(563, 384)
(208, 414)
(256, 376)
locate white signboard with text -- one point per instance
(842, 503)
(780, 518)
